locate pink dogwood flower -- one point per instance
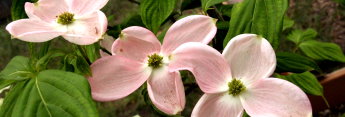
(240, 81)
(78, 21)
(138, 57)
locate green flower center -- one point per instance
(65, 18)
(155, 60)
(236, 87)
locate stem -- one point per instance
(32, 48)
(219, 16)
(325, 100)
(82, 51)
(295, 49)
(44, 49)
(133, 1)
(105, 50)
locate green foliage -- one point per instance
(205, 4)
(52, 93)
(4, 83)
(306, 81)
(132, 20)
(322, 51)
(155, 12)
(290, 62)
(76, 63)
(287, 23)
(341, 2)
(17, 9)
(92, 51)
(17, 69)
(298, 36)
(316, 50)
(225, 10)
(262, 17)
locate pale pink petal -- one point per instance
(218, 105)
(114, 77)
(87, 30)
(32, 30)
(84, 7)
(232, 2)
(208, 66)
(106, 43)
(250, 57)
(194, 28)
(166, 91)
(46, 10)
(272, 97)
(136, 43)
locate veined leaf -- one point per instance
(322, 51)
(207, 3)
(289, 62)
(262, 17)
(298, 36)
(155, 12)
(306, 81)
(52, 93)
(17, 69)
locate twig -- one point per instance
(133, 1)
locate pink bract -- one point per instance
(232, 1)
(133, 63)
(106, 44)
(240, 81)
(83, 23)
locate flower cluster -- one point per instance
(234, 81)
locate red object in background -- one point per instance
(334, 91)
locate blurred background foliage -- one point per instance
(326, 17)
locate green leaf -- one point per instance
(4, 83)
(132, 20)
(52, 93)
(92, 51)
(289, 62)
(17, 69)
(77, 64)
(205, 4)
(306, 81)
(298, 36)
(262, 17)
(155, 12)
(223, 25)
(288, 23)
(11, 98)
(41, 64)
(17, 9)
(322, 51)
